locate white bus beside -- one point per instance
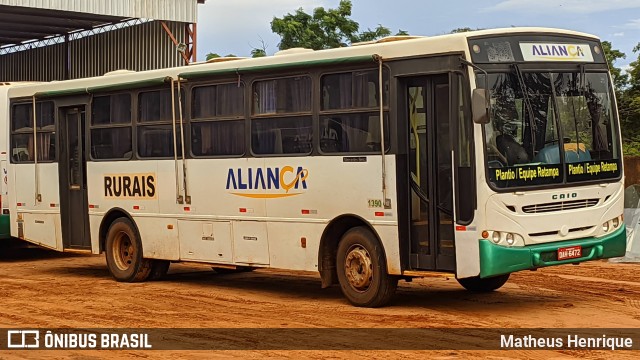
(5, 232)
(478, 154)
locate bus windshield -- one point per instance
(550, 128)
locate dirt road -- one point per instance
(40, 288)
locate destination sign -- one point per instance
(556, 52)
(593, 170)
(526, 175)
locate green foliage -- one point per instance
(634, 72)
(324, 29)
(619, 79)
(215, 56)
(370, 35)
(256, 53)
(462, 30)
(212, 56)
(628, 94)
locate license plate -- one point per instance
(570, 252)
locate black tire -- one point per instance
(477, 284)
(239, 269)
(159, 269)
(123, 251)
(358, 251)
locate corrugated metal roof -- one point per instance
(173, 10)
(144, 46)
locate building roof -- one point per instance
(29, 20)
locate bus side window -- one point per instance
(22, 144)
(350, 118)
(155, 129)
(281, 120)
(332, 136)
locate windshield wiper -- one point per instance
(525, 97)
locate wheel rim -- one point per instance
(358, 268)
(123, 251)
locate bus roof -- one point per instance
(412, 46)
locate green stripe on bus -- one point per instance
(497, 260)
(280, 66)
(5, 227)
(105, 88)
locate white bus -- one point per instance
(478, 154)
(5, 232)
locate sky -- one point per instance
(237, 26)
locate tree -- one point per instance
(634, 72)
(256, 53)
(463, 30)
(611, 55)
(629, 107)
(324, 29)
(215, 56)
(371, 35)
(212, 56)
(261, 51)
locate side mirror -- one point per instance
(480, 106)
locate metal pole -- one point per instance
(35, 153)
(387, 202)
(175, 146)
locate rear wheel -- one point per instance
(477, 284)
(124, 253)
(362, 269)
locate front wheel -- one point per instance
(362, 269)
(477, 284)
(124, 253)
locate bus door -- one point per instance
(74, 208)
(428, 102)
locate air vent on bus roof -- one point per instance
(388, 39)
(119, 72)
(223, 59)
(292, 51)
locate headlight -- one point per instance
(605, 226)
(510, 240)
(503, 238)
(616, 222)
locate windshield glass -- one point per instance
(548, 128)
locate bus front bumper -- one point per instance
(5, 227)
(498, 260)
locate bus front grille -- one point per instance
(559, 206)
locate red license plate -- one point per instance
(570, 252)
